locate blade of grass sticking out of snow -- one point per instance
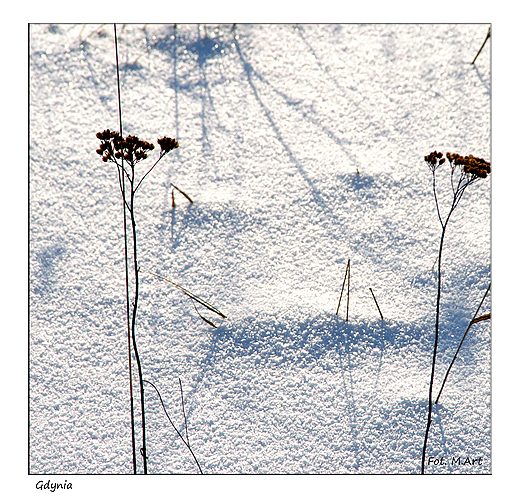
(184, 413)
(190, 295)
(348, 289)
(205, 319)
(173, 425)
(183, 193)
(474, 320)
(480, 50)
(375, 300)
(93, 32)
(481, 318)
(343, 287)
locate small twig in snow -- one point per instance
(378, 309)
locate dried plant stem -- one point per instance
(487, 316)
(470, 169)
(343, 286)
(122, 183)
(183, 193)
(474, 320)
(131, 326)
(375, 300)
(190, 295)
(458, 191)
(457, 194)
(478, 53)
(436, 341)
(132, 414)
(185, 441)
(348, 289)
(184, 413)
(134, 316)
(209, 322)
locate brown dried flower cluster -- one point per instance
(167, 144)
(473, 166)
(110, 140)
(131, 148)
(134, 149)
(432, 157)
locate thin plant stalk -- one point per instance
(132, 414)
(473, 320)
(436, 341)
(348, 289)
(132, 150)
(183, 193)
(123, 192)
(134, 315)
(478, 53)
(173, 425)
(190, 295)
(343, 286)
(437, 312)
(375, 300)
(184, 413)
(471, 169)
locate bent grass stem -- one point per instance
(473, 320)
(173, 425)
(190, 295)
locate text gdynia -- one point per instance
(53, 486)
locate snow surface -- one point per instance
(302, 147)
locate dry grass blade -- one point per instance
(96, 31)
(375, 300)
(185, 441)
(184, 413)
(481, 318)
(205, 319)
(348, 290)
(487, 37)
(474, 320)
(343, 286)
(183, 193)
(191, 296)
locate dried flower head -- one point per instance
(473, 167)
(167, 144)
(432, 158)
(109, 143)
(134, 149)
(113, 147)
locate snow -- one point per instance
(302, 147)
